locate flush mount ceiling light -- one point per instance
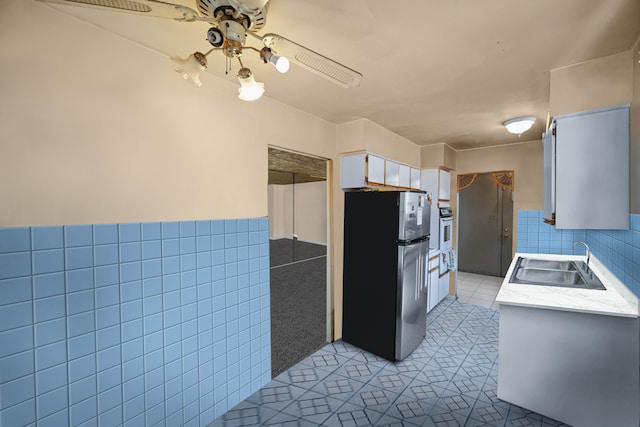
(519, 125)
(232, 21)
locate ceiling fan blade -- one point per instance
(154, 8)
(312, 61)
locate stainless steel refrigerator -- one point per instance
(386, 245)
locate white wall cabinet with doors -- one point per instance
(362, 170)
(586, 170)
(392, 174)
(415, 178)
(404, 176)
(368, 170)
(438, 183)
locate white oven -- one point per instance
(446, 237)
(446, 229)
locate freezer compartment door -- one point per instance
(411, 314)
(415, 214)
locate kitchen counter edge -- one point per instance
(616, 300)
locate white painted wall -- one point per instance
(280, 211)
(309, 219)
(96, 129)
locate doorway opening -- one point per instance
(485, 222)
(298, 240)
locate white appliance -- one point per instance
(386, 245)
(447, 255)
(446, 228)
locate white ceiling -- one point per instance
(435, 71)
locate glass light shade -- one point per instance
(519, 125)
(249, 90)
(191, 66)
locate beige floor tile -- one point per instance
(487, 289)
(469, 286)
(478, 289)
(465, 293)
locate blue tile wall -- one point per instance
(133, 324)
(619, 250)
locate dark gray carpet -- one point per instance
(298, 304)
(286, 251)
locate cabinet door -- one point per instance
(392, 174)
(549, 157)
(353, 170)
(404, 174)
(433, 289)
(415, 179)
(444, 185)
(444, 287)
(592, 170)
(375, 170)
(429, 182)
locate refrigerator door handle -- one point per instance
(421, 265)
(416, 292)
(420, 276)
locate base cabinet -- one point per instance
(434, 292)
(443, 285)
(578, 368)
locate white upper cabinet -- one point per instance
(415, 179)
(361, 170)
(429, 182)
(437, 182)
(367, 170)
(375, 171)
(586, 161)
(444, 186)
(404, 174)
(392, 174)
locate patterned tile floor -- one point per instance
(449, 380)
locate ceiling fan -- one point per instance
(231, 21)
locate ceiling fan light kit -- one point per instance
(519, 125)
(232, 21)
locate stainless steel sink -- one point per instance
(568, 274)
(552, 277)
(547, 264)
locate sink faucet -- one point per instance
(588, 252)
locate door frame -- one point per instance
(329, 164)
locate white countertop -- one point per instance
(616, 300)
